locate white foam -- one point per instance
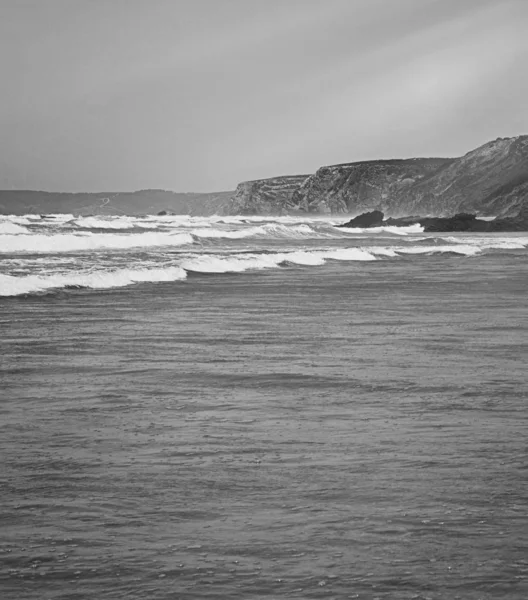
(9, 228)
(268, 230)
(492, 242)
(349, 254)
(115, 223)
(383, 251)
(232, 264)
(208, 263)
(220, 233)
(416, 228)
(14, 286)
(74, 242)
(304, 258)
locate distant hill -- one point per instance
(142, 202)
(491, 181)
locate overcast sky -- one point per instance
(198, 95)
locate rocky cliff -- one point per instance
(266, 196)
(491, 180)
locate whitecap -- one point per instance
(9, 228)
(73, 242)
(409, 229)
(15, 285)
(94, 223)
(208, 263)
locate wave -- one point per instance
(93, 223)
(417, 228)
(71, 242)
(58, 217)
(9, 228)
(491, 243)
(349, 254)
(15, 286)
(391, 252)
(208, 263)
(268, 230)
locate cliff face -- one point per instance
(143, 202)
(491, 180)
(266, 196)
(357, 187)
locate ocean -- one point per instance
(261, 407)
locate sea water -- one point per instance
(243, 408)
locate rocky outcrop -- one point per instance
(490, 181)
(266, 196)
(368, 219)
(458, 222)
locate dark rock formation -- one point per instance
(369, 219)
(490, 181)
(458, 222)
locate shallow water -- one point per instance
(350, 430)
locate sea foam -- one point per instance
(268, 230)
(9, 228)
(416, 228)
(209, 263)
(90, 241)
(15, 285)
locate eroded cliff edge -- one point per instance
(491, 180)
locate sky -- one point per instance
(198, 95)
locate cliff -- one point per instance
(356, 187)
(19, 202)
(491, 180)
(266, 196)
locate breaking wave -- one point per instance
(47, 252)
(90, 241)
(491, 243)
(417, 228)
(208, 263)
(271, 229)
(9, 228)
(93, 223)
(16, 285)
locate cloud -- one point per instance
(202, 94)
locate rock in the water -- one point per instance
(369, 219)
(458, 222)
